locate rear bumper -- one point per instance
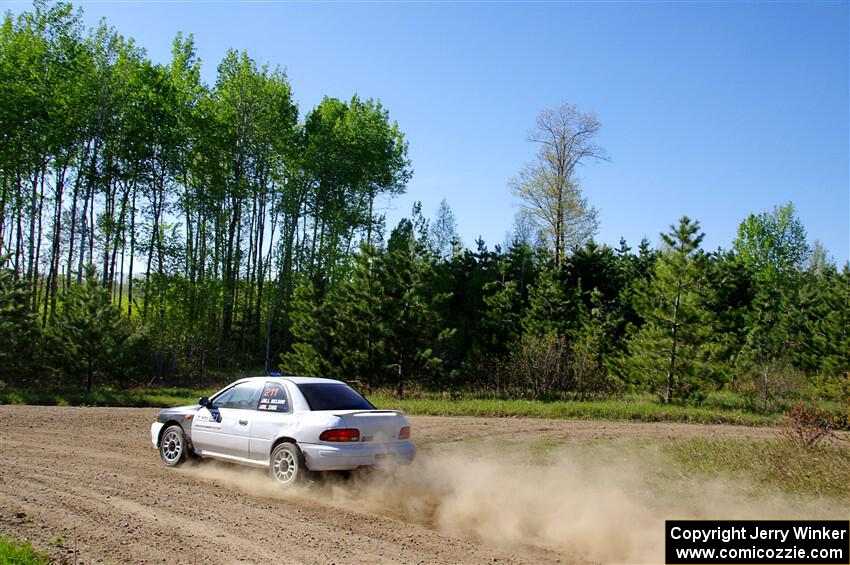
(156, 427)
(344, 457)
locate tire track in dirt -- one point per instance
(89, 475)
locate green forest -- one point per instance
(157, 230)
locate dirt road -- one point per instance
(87, 480)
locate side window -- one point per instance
(242, 397)
(274, 398)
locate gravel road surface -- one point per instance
(86, 485)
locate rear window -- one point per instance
(333, 396)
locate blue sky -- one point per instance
(713, 110)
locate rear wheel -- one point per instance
(172, 446)
(287, 464)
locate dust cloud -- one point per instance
(590, 503)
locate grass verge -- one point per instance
(626, 410)
(760, 466)
(107, 396)
(640, 411)
(768, 464)
(17, 552)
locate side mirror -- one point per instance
(204, 401)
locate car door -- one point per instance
(225, 428)
(273, 419)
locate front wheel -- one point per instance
(287, 464)
(172, 446)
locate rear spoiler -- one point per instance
(357, 412)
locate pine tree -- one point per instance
(19, 332)
(553, 307)
(361, 317)
(594, 341)
(412, 306)
(305, 357)
(835, 329)
(669, 351)
(89, 331)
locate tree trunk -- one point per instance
(53, 273)
(132, 254)
(668, 391)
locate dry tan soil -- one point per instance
(86, 485)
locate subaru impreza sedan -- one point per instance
(291, 425)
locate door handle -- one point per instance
(243, 422)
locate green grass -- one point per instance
(17, 552)
(759, 466)
(627, 410)
(107, 396)
(768, 464)
(639, 409)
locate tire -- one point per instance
(173, 447)
(286, 465)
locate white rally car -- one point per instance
(290, 425)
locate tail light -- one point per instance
(404, 433)
(342, 434)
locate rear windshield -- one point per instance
(333, 396)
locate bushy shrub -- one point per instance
(807, 426)
(541, 365)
